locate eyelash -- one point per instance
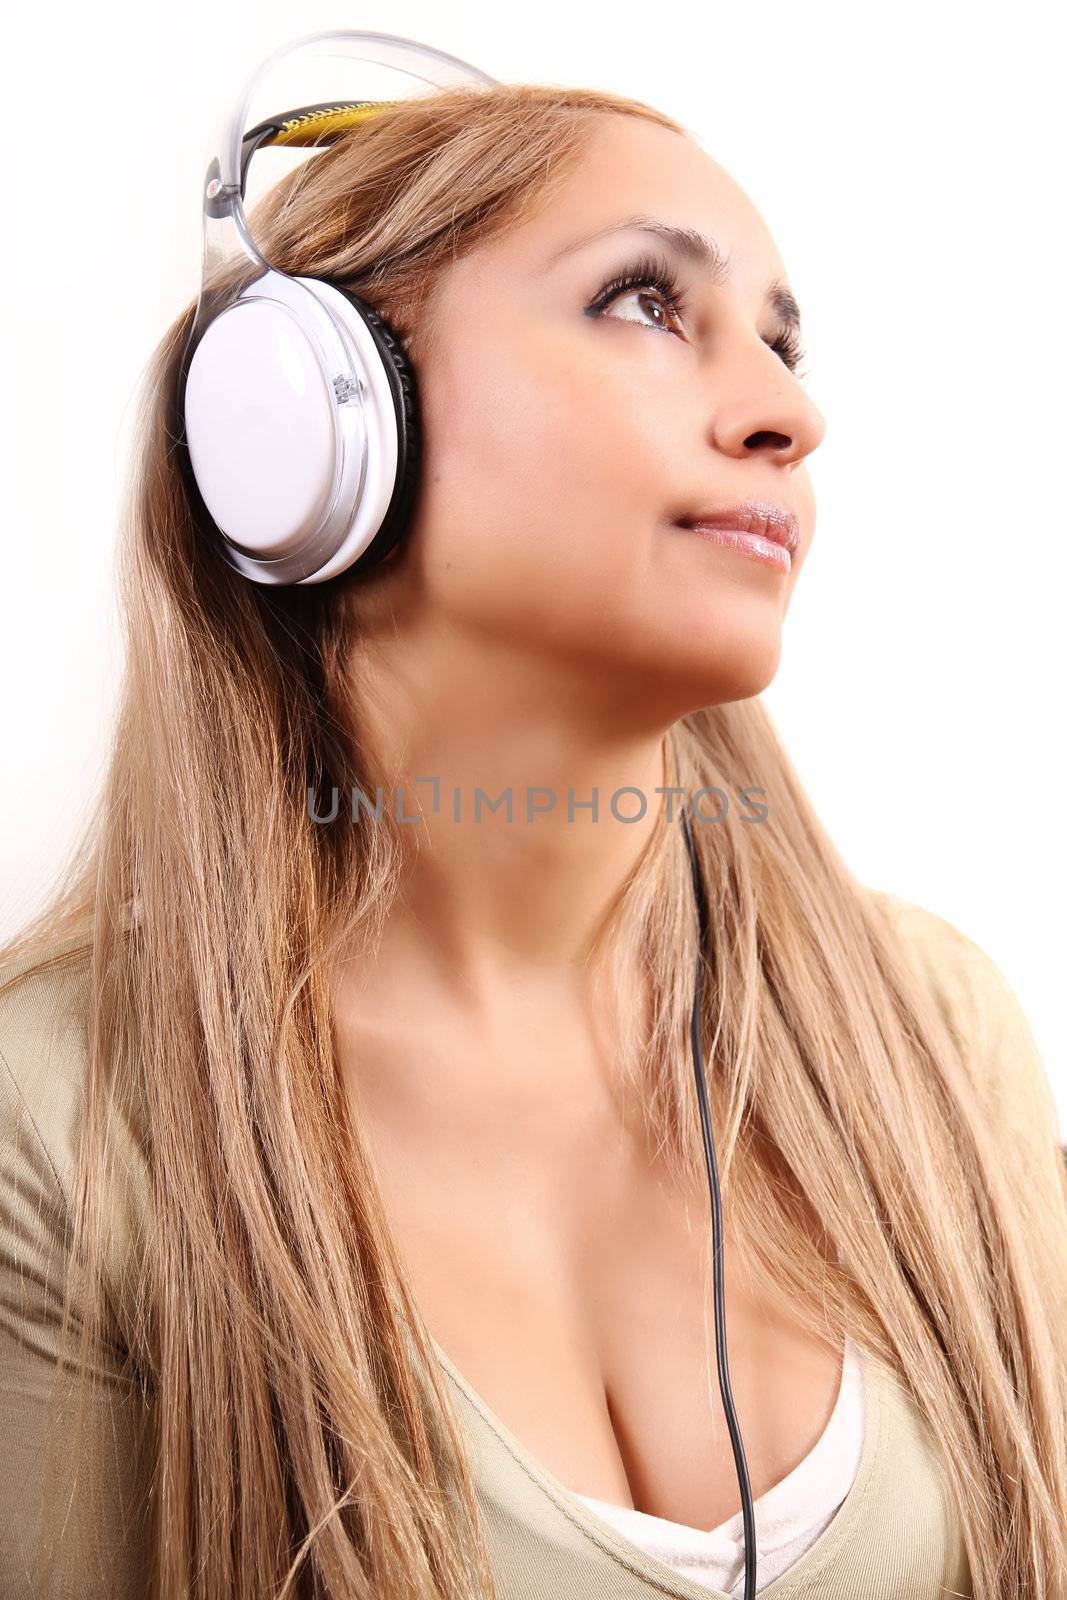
(650, 273)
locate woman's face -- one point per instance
(561, 446)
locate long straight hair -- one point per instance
(304, 1442)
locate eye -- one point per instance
(644, 274)
(648, 273)
(788, 346)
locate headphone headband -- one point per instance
(319, 124)
(307, 126)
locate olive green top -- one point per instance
(895, 1537)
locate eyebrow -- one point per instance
(697, 248)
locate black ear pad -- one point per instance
(401, 374)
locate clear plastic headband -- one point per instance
(227, 242)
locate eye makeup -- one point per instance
(658, 274)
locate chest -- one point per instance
(570, 1283)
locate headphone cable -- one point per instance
(747, 1515)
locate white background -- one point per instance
(908, 160)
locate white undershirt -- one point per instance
(788, 1518)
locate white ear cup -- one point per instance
(292, 427)
(261, 428)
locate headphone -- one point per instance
(301, 439)
(297, 406)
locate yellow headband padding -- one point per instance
(323, 124)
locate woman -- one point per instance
(364, 1155)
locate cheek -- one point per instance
(547, 472)
(533, 442)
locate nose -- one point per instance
(758, 404)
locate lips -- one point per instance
(764, 517)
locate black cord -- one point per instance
(747, 1514)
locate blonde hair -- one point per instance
(295, 1397)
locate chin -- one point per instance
(735, 666)
(739, 686)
